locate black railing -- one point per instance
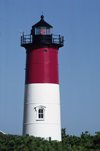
(26, 39)
(55, 39)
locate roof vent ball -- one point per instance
(42, 17)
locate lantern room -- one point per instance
(41, 28)
(41, 33)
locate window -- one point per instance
(43, 31)
(40, 113)
(45, 51)
(48, 31)
(37, 31)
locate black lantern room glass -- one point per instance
(43, 31)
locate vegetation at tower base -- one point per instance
(85, 142)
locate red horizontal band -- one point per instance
(42, 66)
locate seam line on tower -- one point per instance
(40, 123)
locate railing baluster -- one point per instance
(59, 40)
(30, 38)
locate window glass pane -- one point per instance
(40, 116)
(48, 31)
(40, 110)
(37, 31)
(43, 31)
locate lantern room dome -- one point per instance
(42, 23)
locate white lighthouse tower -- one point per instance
(42, 96)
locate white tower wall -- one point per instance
(45, 97)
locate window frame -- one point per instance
(37, 113)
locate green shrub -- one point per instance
(85, 142)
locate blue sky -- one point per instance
(79, 61)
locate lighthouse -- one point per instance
(41, 116)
